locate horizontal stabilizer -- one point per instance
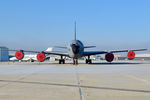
(89, 46)
(49, 49)
(60, 47)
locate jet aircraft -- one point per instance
(76, 50)
(30, 57)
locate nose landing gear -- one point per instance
(75, 61)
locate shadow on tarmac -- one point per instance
(82, 86)
(96, 63)
(80, 63)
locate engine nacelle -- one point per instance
(19, 54)
(131, 55)
(40, 57)
(109, 57)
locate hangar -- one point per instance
(4, 54)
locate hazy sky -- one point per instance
(108, 24)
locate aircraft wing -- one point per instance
(118, 51)
(88, 53)
(45, 52)
(57, 53)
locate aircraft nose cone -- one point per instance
(75, 48)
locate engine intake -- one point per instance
(40, 57)
(19, 54)
(109, 57)
(131, 55)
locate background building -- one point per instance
(4, 54)
(142, 57)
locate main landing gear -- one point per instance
(88, 61)
(61, 61)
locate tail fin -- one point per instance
(75, 30)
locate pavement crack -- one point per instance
(137, 78)
(20, 79)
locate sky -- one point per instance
(108, 24)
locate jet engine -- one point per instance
(40, 57)
(109, 57)
(19, 54)
(131, 55)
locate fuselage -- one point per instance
(75, 49)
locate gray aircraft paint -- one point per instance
(80, 48)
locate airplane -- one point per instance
(75, 50)
(30, 57)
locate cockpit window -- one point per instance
(75, 48)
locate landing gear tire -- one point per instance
(61, 61)
(88, 61)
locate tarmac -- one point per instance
(98, 81)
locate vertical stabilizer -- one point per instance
(75, 30)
